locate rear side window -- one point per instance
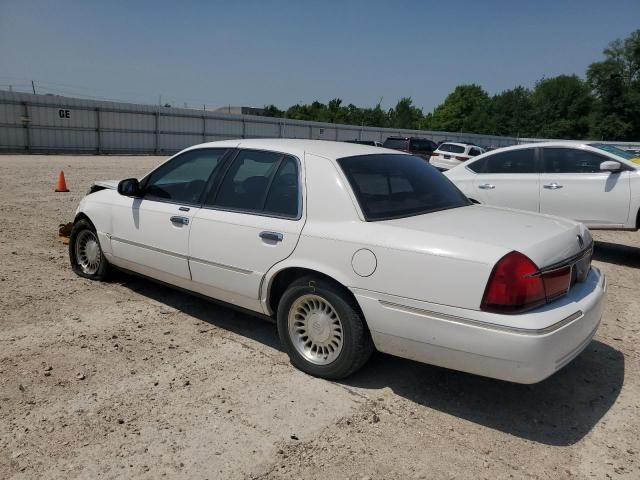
(259, 182)
(449, 147)
(571, 160)
(183, 178)
(396, 186)
(422, 145)
(512, 161)
(283, 196)
(396, 143)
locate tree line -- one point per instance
(604, 105)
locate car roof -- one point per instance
(400, 137)
(556, 143)
(459, 144)
(584, 144)
(298, 147)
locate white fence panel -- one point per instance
(52, 123)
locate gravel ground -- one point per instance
(132, 379)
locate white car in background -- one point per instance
(593, 183)
(351, 247)
(450, 154)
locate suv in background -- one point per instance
(452, 154)
(421, 147)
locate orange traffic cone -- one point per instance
(61, 186)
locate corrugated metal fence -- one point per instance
(54, 124)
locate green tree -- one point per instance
(561, 107)
(405, 114)
(466, 109)
(512, 113)
(615, 83)
(375, 117)
(272, 111)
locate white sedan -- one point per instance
(593, 183)
(352, 248)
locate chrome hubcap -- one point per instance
(88, 252)
(315, 329)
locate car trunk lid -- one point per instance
(545, 239)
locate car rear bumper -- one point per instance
(444, 164)
(476, 343)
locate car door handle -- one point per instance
(179, 219)
(552, 186)
(487, 186)
(273, 236)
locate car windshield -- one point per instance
(615, 150)
(391, 186)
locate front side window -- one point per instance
(259, 182)
(511, 161)
(391, 186)
(183, 178)
(571, 160)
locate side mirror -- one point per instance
(129, 187)
(610, 166)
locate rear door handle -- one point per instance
(180, 220)
(487, 186)
(273, 236)
(552, 186)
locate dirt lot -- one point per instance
(132, 379)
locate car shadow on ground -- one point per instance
(218, 315)
(617, 254)
(558, 411)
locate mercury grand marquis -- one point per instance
(352, 248)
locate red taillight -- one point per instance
(514, 285)
(557, 282)
(462, 158)
(434, 154)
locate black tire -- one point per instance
(84, 229)
(357, 345)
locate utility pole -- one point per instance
(33, 87)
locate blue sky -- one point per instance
(285, 52)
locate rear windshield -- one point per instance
(396, 143)
(450, 147)
(615, 150)
(422, 145)
(393, 186)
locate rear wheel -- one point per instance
(322, 329)
(85, 253)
